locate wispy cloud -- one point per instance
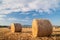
(2, 16)
(23, 13)
(1, 19)
(12, 19)
(26, 9)
(34, 14)
(9, 6)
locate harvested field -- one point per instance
(26, 34)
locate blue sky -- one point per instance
(24, 11)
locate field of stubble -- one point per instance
(26, 34)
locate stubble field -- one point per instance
(26, 34)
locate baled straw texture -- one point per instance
(41, 28)
(16, 27)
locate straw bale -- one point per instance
(41, 27)
(16, 27)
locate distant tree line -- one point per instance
(26, 26)
(4, 26)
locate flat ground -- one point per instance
(26, 34)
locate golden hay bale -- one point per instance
(16, 27)
(41, 28)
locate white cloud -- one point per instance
(24, 13)
(28, 5)
(16, 19)
(35, 14)
(44, 5)
(5, 11)
(2, 16)
(25, 21)
(27, 18)
(8, 21)
(2, 19)
(12, 19)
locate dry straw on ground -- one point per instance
(41, 27)
(16, 27)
